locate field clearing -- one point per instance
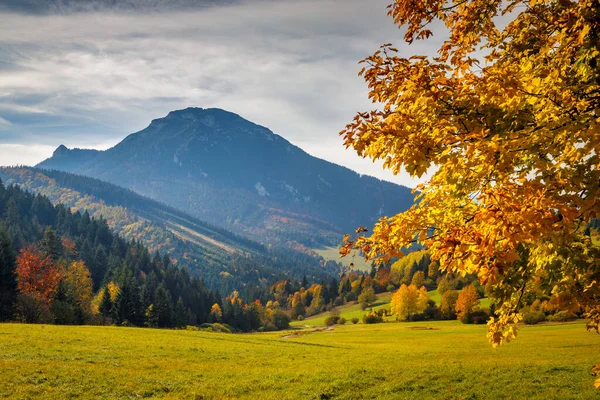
(333, 253)
(391, 360)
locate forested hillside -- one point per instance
(224, 260)
(66, 267)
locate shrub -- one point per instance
(269, 327)
(355, 320)
(32, 310)
(372, 318)
(280, 319)
(479, 317)
(533, 317)
(332, 320)
(341, 321)
(300, 317)
(561, 316)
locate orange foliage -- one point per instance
(37, 274)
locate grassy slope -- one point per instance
(333, 253)
(392, 360)
(350, 311)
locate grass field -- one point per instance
(333, 254)
(386, 361)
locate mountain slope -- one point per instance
(229, 171)
(223, 259)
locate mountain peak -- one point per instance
(62, 149)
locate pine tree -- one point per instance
(180, 314)
(304, 282)
(8, 282)
(50, 246)
(105, 304)
(163, 307)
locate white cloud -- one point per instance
(92, 78)
(23, 154)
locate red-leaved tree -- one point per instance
(37, 275)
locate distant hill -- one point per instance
(224, 260)
(221, 168)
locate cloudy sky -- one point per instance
(88, 73)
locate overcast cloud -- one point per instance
(86, 74)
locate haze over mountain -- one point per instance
(231, 172)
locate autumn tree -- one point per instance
(367, 297)
(467, 301)
(418, 279)
(505, 120)
(216, 315)
(78, 285)
(448, 304)
(37, 274)
(408, 301)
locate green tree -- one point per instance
(163, 307)
(106, 305)
(8, 281)
(180, 314)
(367, 297)
(50, 245)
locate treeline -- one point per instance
(58, 266)
(409, 279)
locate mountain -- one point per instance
(219, 167)
(224, 260)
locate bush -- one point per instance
(269, 327)
(217, 327)
(355, 320)
(300, 317)
(341, 321)
(533, 317)
(332, 320)
(479, 317)
(32, 310)
(280, 319)
(561, 316)
(372, 318)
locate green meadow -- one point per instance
(386, 361)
